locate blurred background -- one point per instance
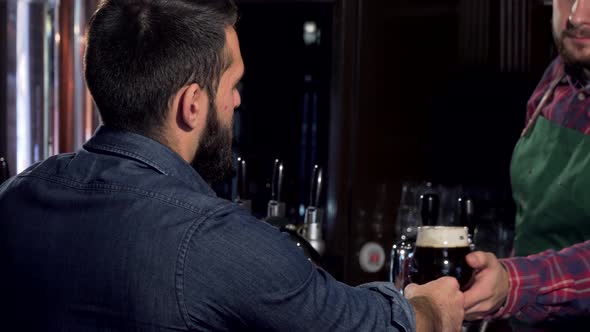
(392, 98)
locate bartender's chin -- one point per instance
(574, 53)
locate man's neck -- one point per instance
(177, 142)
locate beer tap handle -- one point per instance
(466, 213)
(276, 208)
(241, 178)
(277, 180)
(429, 209)
(316, 186)
(4, 172)
(312, 229)
(467, 217)
(242, 194)
(313, 212)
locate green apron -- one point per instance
(550, 174)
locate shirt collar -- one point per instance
(575, 76)
(147, 151)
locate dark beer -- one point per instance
(440, 251)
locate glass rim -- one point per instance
(442, 227)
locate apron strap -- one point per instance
(544, 100)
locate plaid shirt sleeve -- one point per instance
(549, 284)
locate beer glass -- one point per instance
(440, 251)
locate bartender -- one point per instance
(550, 174)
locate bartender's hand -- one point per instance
(438, 305)
(490, 288)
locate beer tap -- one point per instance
(275, 212)
(276, 216)
(466, 217)
(242, 194)
(312, 224)
(4, 172)
(429, 209)
(276, 208)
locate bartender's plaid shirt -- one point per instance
(554, 284)
(548, 284)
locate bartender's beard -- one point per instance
(213, 160)
(573, 55)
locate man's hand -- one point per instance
(438, 305)
(490, 286)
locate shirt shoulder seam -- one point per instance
(116, 187)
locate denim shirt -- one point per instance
(124, 235)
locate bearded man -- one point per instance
(124, 235)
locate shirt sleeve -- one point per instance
(548, 285)
(243, 274)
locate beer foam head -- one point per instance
(442, 237)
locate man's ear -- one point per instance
(191, 105)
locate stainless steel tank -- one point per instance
(46, 107)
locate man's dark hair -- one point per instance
(140, 53)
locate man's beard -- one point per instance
(567, 55)
(213, 160)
